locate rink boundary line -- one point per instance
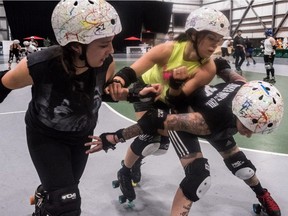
(15, 112)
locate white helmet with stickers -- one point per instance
(84, 21)
(259, 106)
(208, 19)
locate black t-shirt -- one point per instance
(215, 105)
(62, 105)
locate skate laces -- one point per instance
(268, 202)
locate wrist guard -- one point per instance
(3, 90)
(106, 145)
(221, 64)
(176, 83)
(128, 75)
(152, 120)
(134, 96)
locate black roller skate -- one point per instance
(272, 80)
(268, 205)
(124, 181)
(266, 79)
(136, 171)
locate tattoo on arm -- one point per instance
(132, 131)
(189, 122)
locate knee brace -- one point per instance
(269, 66)
(164, 146)
(240, 166)
(145, 145)
(197, 180)
(62, 202)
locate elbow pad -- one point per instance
(274, 47)
(4, 91)
(128, 75)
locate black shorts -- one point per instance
(186, 143)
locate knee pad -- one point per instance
(240, 166)
(164, 146)
(63, 202)
(197, 180)
(268, 66)
(145, 145)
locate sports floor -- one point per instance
(228, 196)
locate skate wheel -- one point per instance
(122, 199)
(257, 208)
(115, 184)
(32, 200)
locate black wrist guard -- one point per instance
(3, 90)
(128, 75)
(106, 145)
(134, 96)
(176, 83)
(152, 120)
(221, 64)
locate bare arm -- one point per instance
(18, 77)
(189, 122)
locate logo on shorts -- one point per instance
(68, 197)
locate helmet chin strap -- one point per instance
(83, 57)
(195, 45)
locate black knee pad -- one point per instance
(240, 166)
(145, 145)
(63, 202)
(197, 180)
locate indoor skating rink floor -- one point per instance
(228, 196)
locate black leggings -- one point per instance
(58, 163)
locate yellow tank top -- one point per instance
(157, 73)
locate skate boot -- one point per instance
(268, 204)
(125, 183)
(136, 171)
(38, 200)
(272, 80)
(266, 79)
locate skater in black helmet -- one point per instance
(269, 55)
(247, 108)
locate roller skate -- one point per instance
(124, 181)
(267, 205)
(272, 80)
(136, 171)
(266, 79)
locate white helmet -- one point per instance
(26, 43)
(259, 106)
(208, 19)
(16, 41)
(84, 21)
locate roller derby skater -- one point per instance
(269, 56)
(15, 49)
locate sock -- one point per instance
(258, 189)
